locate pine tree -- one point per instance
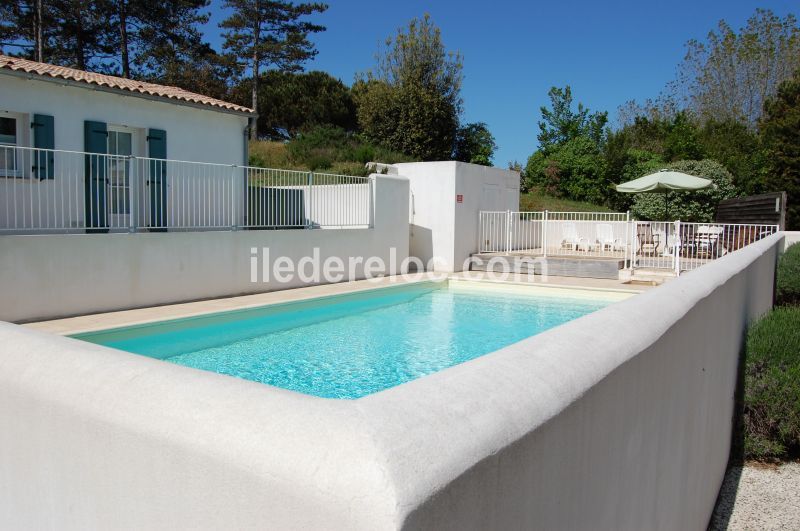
(263, 33)
(148, 35)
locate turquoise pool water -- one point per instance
(351, 346)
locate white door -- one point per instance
(120, 147)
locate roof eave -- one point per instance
(124, 92)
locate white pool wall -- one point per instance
(58, 275)
(618, 420)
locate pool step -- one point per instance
(556, 266)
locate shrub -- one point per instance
(772, 385)
(267, 154)
(788, 286)
(323, 148)
(698, 206)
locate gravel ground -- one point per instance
(759, 497)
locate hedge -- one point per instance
(788, 285)
(772, 386)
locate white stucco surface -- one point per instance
(443, 227)
(618, 420)
(48, 276)
(193, 133)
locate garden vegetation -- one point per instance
(772, 371)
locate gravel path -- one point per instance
(759, 497)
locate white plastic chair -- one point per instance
(605, 238)
(570, 238)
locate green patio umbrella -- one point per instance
(663, 182)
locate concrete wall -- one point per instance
(791, 237)
(440, 225)
(432, 210)
(618, 420)
(47, 276)
(193, 134)
(478, 184)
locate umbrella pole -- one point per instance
(666, 206)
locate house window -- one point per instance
(8, 144)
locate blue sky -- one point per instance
(514, 51)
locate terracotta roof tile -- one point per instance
(162, 91)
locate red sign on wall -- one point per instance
(459, 198)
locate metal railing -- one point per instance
(552, 233)
(674, 246)
(44, 190)
(681, 246)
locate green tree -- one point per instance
(263, 33)
(569, 162)
(137, 38)
(697, 206)
(25, 27)
(198, 69)
(738, 148)
(561, 123)
(731, 74)
(474, 143)
(576, 170)
(149, 36)
(780, 129)
(81, 34)
(411, 100)
(293, 102)
(681, 141)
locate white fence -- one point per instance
(70, 191)
(682, 246)
(675, 246)
(552, 233)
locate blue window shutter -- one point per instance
(44, 138)
(157, 180)
(95, 140)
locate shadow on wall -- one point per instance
(421, 243)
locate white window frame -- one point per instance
(23, 136)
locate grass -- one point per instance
(536, 200)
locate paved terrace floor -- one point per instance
(101, 321)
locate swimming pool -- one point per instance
(349, 346)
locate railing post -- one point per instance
(133, 193)
(631, 244)
(508, 231)
(309, 183)
(676, 252)
(245, 198)
(544, 234)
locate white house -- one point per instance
(51, 117)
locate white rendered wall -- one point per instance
(432, 211)
(471, 181)
(618, 420)
(440, 225)
(46, 276)
(193, 133)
